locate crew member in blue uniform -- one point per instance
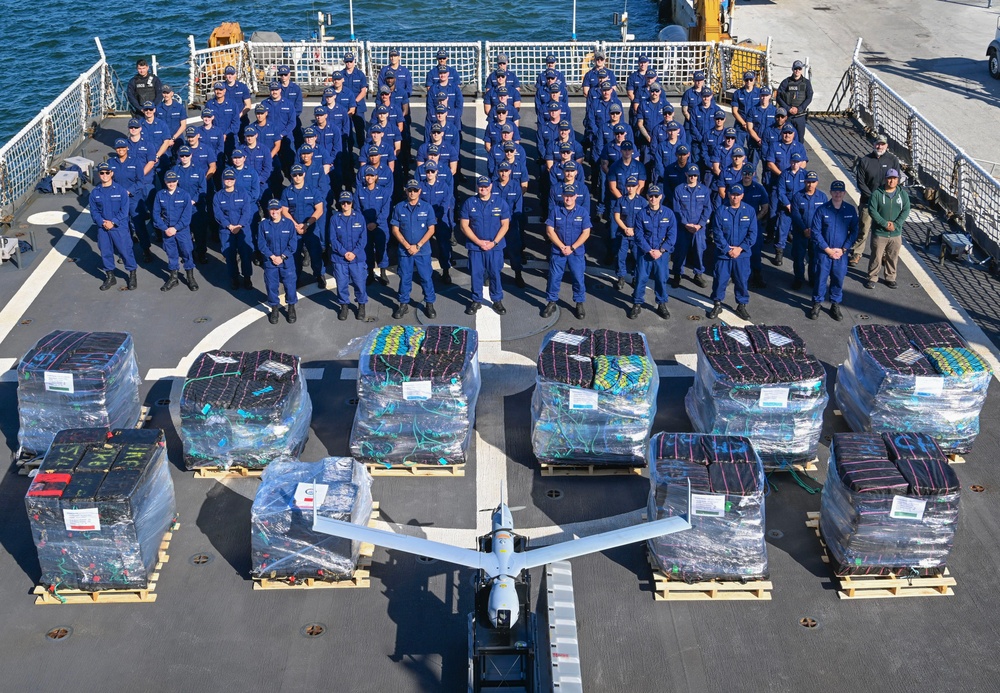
(746, 99)
(375, 203)
(247, 180)
(834, 230)
(172, 210)
(484, 220)
(174, 114)
(234, 209)
(567, 228)
(109, 206)
(624, 212)
(804, 206)
(128, 172)
(412, 225)
(277, 241)
(357, 82)
(281, 114)
(692, 96)
(693, 206)
(292, 92)
(755, 195)
(439, 193)
(734, 230)
(442, 61)
(656, 233)
(511, 191)
(239, 93)
(789, 183)
(304, 207)
(346, 240)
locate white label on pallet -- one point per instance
(82, 520)
(416, 390)
(740, 336)
(778, 340)
(773, 398)
(222, 359)
(705, 505)
(59, 381)
(582, 399)
(274, 367)
(578, 357)
(909, 357)
(309, 495)
(928, 385)
(567, 338)
(904, 508)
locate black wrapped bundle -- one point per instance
(614, 343)
(934, 334)
(570, 369)
(444, 339)
(720, 339)
(877, 337)
(775, 339)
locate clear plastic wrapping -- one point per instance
(918, 378)
(726, 539)
(99, 507)
(283, 543)
(244, 409)
(888, 509)
(417, 393)
(595, 398)
(76, 380)
(759, 383)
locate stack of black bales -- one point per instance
(243, 409)
(99, 507)
(921, 378)
(595, 398)
(417, 393)
(283, 542)
(76, 380)
(759, 382)
(890, 505)
(726, 539)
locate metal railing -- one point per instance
(54, 132)
(673, 63)
(467, 58)
(934, 161)
(528, 60)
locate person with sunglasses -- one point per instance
(109, 206)
(795, 93)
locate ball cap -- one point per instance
(798, 65)
(229, 174)
(412, 184)
(553, 106)
(120, 143)
(796, 156)
(250, 131)
(184, 151)
(370, 171)
(739, 152)
(134, 123)
(273, 204)
(599, 55)
(297, 169)
(787, 128)
(432, 166)
(218, 86)
(373, 151)
(619, 129)
(506, 127)
(683, 149)
(631, 182)
(780, 111)
(550, 58)
(283, 70)
(149, 106)
(654, 191)
(564, 125)
(171, 177)
(191, 132)
(376, 128)
(749, 74)
(692, 170)
(892, 173)
(565, 147)
(442, 53)
(838, 186)
(390, 74)
(306, 149)
(569, 191)
(729, 132)
(735, 189)
(667, 108)
(699, 76)
(655, 87)
(348, 57)
(671, 126)
(615, 108)
(811, 177)
(627, 146)
(570, 166)
(482, 182)
(319, 110)
(239, 154)
(103, 166)
(260, 108)
(504, 166)
(346, 197)
(881, 139)
(393, 52)
(274, 86)
(643, 59)
(230, 70)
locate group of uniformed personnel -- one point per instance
(667, 190)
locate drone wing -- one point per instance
(403, 542)
(599, 542)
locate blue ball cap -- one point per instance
(433, 149)
(230, 70)
(811, 177)
(373, 151)
(103, 166)
(501, 91)
(550, 59)
(135, 123)
(606, 86)
(376, 128)
(570, 166)
(309, 132)
(619, 129)
(683, 149)
(615, 108)
(442, 69)
(442, 53)
(735, 189)
(217, 86)
(319, 110)
(208, 113)
(787, 128)
(274, 86)
(229, 174)
(260, 108)
(551, 74)
(436, 127)
(739, 152)
(412, 184)
(430, 166)
(706, 93)
(383, 109)
(119, 143)
(505, 166)
(150, 106)
(838, 186)
(667, 108)
(345, 196)
(643, 59)
(699, 76)
(729, 132)
(553, 106)
(250, 131)
(509, 147)
(184, 151)
(239, 154)
(565, 147)
(305, 149)
(297, 168)
(337, 75)
(273, 204)
(553, 88)
(631, 182)
(393, 52)
(654, 191)
(370, 171)
(502, 108)
(482, 182)
(693, 170)
(627, 146)
(892, 173)
(671, 126)
(720, 115)
(390, 74)
(749, 74)
(171, 177)
(348, 57)
(441, 108)
(328, 92)
(191, 131)
(283, 70)
(569, 191)
(564, 125)
(507, 127)
(796, 156)
(748, 171)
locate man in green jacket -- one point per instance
(889, 206)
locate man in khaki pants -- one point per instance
(889, 206)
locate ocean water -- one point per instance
(45, 46)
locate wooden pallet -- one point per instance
(667, 590)
(27, 463)
(231, 473)
(884, 586)
(360, 577)
(802, 468)
(147, 595)
(955, 458)
(451, 470)
(588, 470)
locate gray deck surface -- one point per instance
(209, 631)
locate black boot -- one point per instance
(191, 281)
(619, 283)
(716, 310)
(361, 311)
(634, 311)
(171, 281)
(779, 255)
(499, 308)
(247, 283)
(290, 316)
(663, 311)
(473, 308)
(146, 256)
(814, 313)
(549, 309)
(382, 279)
(835, 312)
(321, 281)
(272, 317)
(132, 283)
(446, 277)
(343, 312)
(581, 312)
(429, 310)
(741, 310)
(109, 281)
(519, 280)
(401, 310)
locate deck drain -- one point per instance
(977, 488)
(162, 402)
(426, 559)
(26, 322)
(200, 559)
(312, 630)
(59, 633)
(554, 493)
(775, 533)
(695, 317)
(862, 316)
(202, 319)
(808, 622)
(914, 285)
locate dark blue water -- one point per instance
(45, 46)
